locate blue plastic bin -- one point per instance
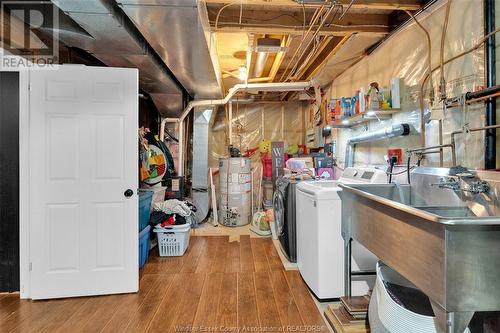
(145, 197)
(144, 240)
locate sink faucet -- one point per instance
(478, 187)
(453, 183)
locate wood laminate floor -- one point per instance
(217, 286)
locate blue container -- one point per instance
(144, 245)
(145, 198)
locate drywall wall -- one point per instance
(404, 55)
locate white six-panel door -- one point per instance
(83, 157)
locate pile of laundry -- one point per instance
(172, 212)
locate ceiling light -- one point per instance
(269, 45)
(242, 72)
(345, 122)
(370, 113)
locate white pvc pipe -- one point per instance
(285, 86)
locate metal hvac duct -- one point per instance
(200, 180)
(179, 31)
(117, 43)
(383, 133)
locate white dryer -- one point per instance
(320, 246)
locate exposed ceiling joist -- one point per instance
(277, 22)
(322, 57)
(313, 55)
(361, 4)
(379, 31)
(329, 48)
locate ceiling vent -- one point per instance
(269, 45)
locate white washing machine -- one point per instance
(320, 246)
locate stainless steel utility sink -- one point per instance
(445, 242)
(449, 212)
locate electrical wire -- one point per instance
(429, 46)
(304, 21)
(300, 27)
(310, 55)
(442, 86)
(322, 22)
(221, 9)
(470, 50)
(429, 72)
(313, 21)
(345, 12)
(408, 169)
(400, 172)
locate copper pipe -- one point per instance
(310, 41)
(315, 18)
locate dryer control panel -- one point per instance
(367, 175)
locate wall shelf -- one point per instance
(364, 117)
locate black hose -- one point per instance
(393, 160)
(408, 168)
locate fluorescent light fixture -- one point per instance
(345, 122)
(242, 72)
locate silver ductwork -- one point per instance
(179, 32)
(200, 180)
(383, 133)
(116, 42)
(260, 64)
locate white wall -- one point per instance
(404, 55)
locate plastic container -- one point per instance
(145, 197)
(267, 164)
(173, 240)
(144, 243)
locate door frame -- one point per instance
(24, 186)
(24, 183)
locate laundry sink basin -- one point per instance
(445, 242)
(449, 212)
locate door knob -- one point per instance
(128, 193)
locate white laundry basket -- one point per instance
(173, 240)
